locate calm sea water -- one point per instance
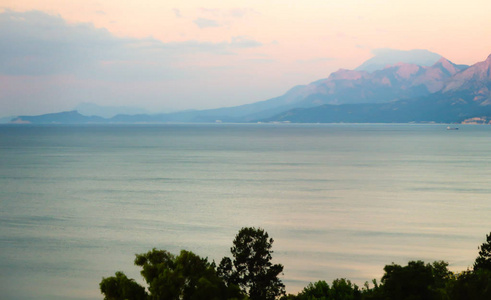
(77, 202)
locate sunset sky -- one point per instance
(173, 55)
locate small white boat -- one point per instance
(452, 128)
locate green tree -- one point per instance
(343, 289)
(470, 285)
(183, 277)
(474, 284)
(315, 291)
(483, 261)
(121, 287)
(417, 280)
(340, 289)
(251, 268)
(375, 293)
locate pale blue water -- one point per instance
(77, 202)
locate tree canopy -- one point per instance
(417, 280)
(483, 261)
(120, 287)
(250, 274)
(251, 268)
(183, 277)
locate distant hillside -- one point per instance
(92, 109)
(476, 81)
(396, 82)
(465, 95)
(68, 117)
(400, 81)
(403, 92)
(340, 87)
(439, 108)
(5, 120)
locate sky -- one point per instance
(173, 55)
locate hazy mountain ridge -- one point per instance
(92, 109)
(439, 109)
(403, 92)
(396, 82)
(464, 95)
(66, 117)
(476, 80)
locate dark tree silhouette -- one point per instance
(183, 277)
(251, 268)
(317, 290)
(483, 261)
(121, 287)
(343, 289)
(417, 280)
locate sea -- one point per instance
(340, 200)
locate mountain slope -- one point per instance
(442, 92)
(68, 117)
(464, 95)
(399, 81)
(344, 86)
(474, 81)
(92, 109)
(437, 109)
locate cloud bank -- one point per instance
(35, 43)
(48, 64)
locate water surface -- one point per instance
(77, 202)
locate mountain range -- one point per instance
(385, 57)
(92, 109)
(455, 95)
(400, 92)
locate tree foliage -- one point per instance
(340, 289)
(121, 287)
(470, 285)
(186, 276)
(183, 277)
(251, 268)
(343, 289)
(483, 261)
(417, 280)
(250, 271)
(315, 291)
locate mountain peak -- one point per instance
(446, 66)
(474, 77)
(384, 57)
(443, 60)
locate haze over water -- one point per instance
(77, 202)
